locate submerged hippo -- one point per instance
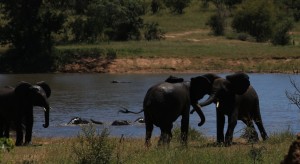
(78, 121)
(120, 122)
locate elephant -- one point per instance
(163, 104)
(16, 109)
(234, 97)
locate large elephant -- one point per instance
(234, 97)
(16, 109)
(163, 104)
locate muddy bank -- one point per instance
(182, 65)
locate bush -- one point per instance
(193, 134)
(153, 32)
(281, 35)
(156, 5)
(255, 17)
(217, 24)
(92, 147)
(177, 6)
(6, 144)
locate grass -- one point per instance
(130, 150)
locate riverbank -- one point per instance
(184, 65)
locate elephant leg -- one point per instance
(149, 129)
(1, 128)
(232, 121)
(250, 131)
(19, 133)
(6, 130)
(28, 126)
(166, 134)
(261, 129)
(185, 127)
(220, 126)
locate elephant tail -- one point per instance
(125, 110)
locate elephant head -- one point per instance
(237, 83)
(199, 87)
(34, 95)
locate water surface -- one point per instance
(93, 96)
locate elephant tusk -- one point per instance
(45, 109)
(217, 104)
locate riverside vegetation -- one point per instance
(190, 40)
(92, 146)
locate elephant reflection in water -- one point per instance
(234, 97)
(16, 109)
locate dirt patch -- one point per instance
(183, 65)
(144, 65)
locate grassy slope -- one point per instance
(188, 37)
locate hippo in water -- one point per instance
(79, 121)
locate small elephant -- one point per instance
(163, 104)
(16, 109)
(234, 97)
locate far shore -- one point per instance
(144, 65)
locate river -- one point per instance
(94, 96)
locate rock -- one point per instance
(293, 155)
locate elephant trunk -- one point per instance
(47, 110)
(209, 100)
(197, 108)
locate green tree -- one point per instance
(28, 30)
(112, 19)
(281, 35)
(255, 17)
(217, 24)
(177, 6)
(217, 21)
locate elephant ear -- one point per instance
(23, 89)
(199, 87)
(239, 82)
(45, 87)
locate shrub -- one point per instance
(6, 144)
(153, 32)
(281, 35)
(92, 147)
(217, 24)
(193, 134)
(156, 5)
(177, 6)
(255, 17)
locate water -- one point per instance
(93, 96)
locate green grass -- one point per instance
(203, 47)
(130, 150)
